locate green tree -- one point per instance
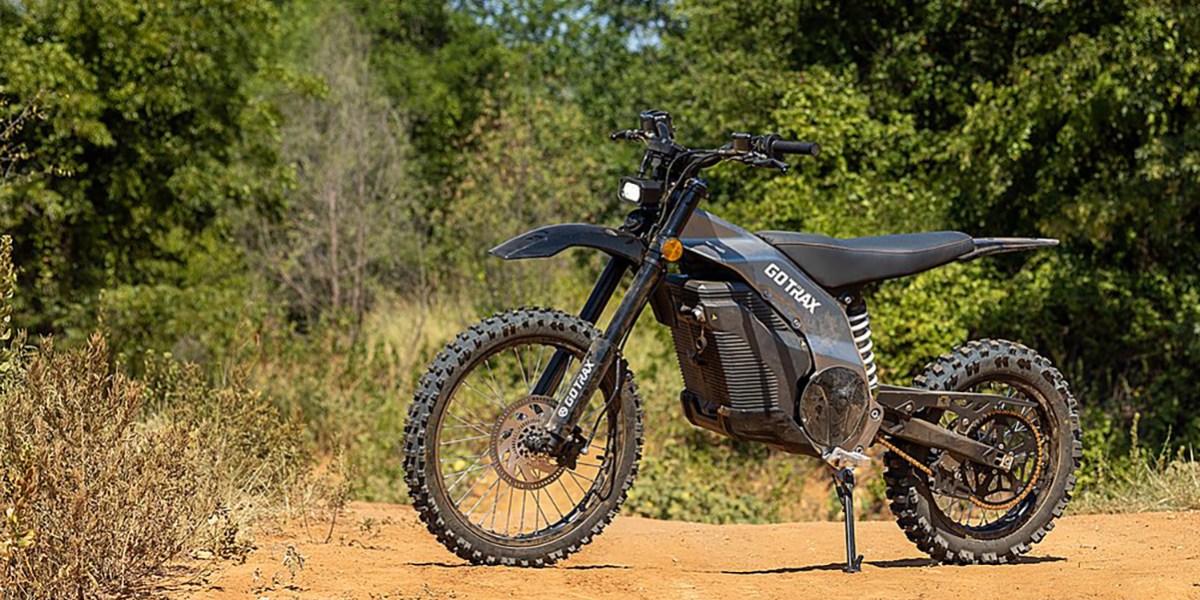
(347, 228)
(150, 117)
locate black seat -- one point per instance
(841, 263)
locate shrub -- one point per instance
(104, 479)
(103, 501)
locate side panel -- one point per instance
(809, 308)
(552, 239)
(836, 408)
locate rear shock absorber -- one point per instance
(860, 328)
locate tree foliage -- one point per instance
(448, 126)
(346, 225)
(1071, 120)
(150, 117)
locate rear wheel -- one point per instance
(472, 479)
(1004, 513)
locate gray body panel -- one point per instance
(809, 309)
(826, 327)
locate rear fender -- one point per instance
(550, 240)
(990, 246)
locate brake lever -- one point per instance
(759, 160)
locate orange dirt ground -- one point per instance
(383, 552)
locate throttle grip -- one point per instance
(794, 147)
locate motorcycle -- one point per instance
(524, 435)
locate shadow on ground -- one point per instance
(901, 563)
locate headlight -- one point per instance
(640, 191)
(631, 192)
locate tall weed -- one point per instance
(1142, 480)
(105, 479)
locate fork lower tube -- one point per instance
(600, 356)
(603, 291)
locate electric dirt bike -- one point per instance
(525, 433)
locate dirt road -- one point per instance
(382, 552)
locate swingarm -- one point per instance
(902, 403)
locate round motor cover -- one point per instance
(834, 408)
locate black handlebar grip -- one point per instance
(786, 147)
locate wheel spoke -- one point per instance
(537, 370)
(482, 496)
(468, 470)
(493, 399)
(478, 437)
(524, 493)
(476, 427)
(508, 514)
(538, 503)
(458, 458)
(464, 474)
(468, 493)
(572, 473)
(567, 492)
(495, 505)
(524, 374)
(550, 496)
(503, 391)
(582, 489)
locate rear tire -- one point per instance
(428, 484)
(916, 506)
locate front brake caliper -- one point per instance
(568, 454)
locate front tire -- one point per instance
(493, 412)
(930, 520)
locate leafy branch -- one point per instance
(13, 151)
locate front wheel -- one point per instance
(1004, 513)
(472, 480)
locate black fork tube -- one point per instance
(603, 350)
(602, 292)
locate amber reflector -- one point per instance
(672, 250)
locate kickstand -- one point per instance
(843, 481)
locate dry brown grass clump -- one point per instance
(104, 479)
(99, 500)
(103, 501)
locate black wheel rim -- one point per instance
(482, 476)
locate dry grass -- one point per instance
(104, 501)
(99, 499)
(353, 394)
(104, 480)
(1142, 481)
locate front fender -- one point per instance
(552, 239)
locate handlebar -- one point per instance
(667, 165)
(662, 158)
(775, 147)
(794, 147)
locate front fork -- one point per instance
(602, 292)
(562, 438)
(604, 349)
